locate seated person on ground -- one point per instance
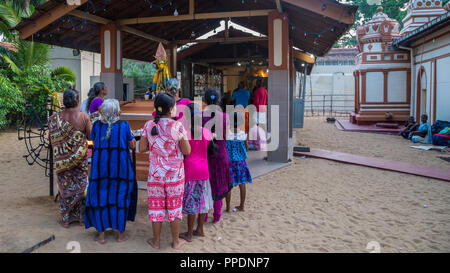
(423, 134)
(410, 126)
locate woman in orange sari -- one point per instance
(68, 131)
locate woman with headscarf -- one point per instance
(68, 131)
(112, 193)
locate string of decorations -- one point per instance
(83, 23)
(331, 28)
(160, 6)
(94, 8)
(151, 4)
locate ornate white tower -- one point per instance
(421, 12)
(382, 76)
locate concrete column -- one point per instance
(111, 60)
(279, 85)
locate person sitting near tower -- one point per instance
(410, 126)
(423, 134)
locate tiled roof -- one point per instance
(340, 54)
(9, 46)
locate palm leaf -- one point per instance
(9, 14)
(12, 65)
(31, 53)
(65, 73)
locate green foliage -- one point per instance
(142, 73)
(25, 76)
(39, 82)
(11, 14)
(30, 54)
(64, 73)
(11, 102)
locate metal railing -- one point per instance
(332, 105)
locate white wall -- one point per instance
(425, 55)
(331, 80)
(443, 89)
(397, 84)
(85, 65)
(61, 56)
(374, 87)
(90, 66)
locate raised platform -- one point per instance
(368, 118)
(137, 114)
(383, 164)
(346, 125)
(256, 163)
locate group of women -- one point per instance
(192, 168)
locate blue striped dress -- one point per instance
(112, 192)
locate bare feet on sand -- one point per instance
(239, 208)
(153, 243)
(101, 239)
(186, 236)
(122, 237)
(198, 233)
(179, 244)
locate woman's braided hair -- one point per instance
(163, 104)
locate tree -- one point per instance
(396, 9)
(25, 76)
(142, 73)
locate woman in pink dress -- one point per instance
(167, 142)
(197, 198)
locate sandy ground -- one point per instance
(311, 206)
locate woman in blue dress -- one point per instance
(423, 133)
(112, 192)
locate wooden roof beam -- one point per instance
(223, 40)
(279, 7)
(90, 17)
(195, 16)
(143, 35)
(100, 20)
(332, 10)
(48, 18)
